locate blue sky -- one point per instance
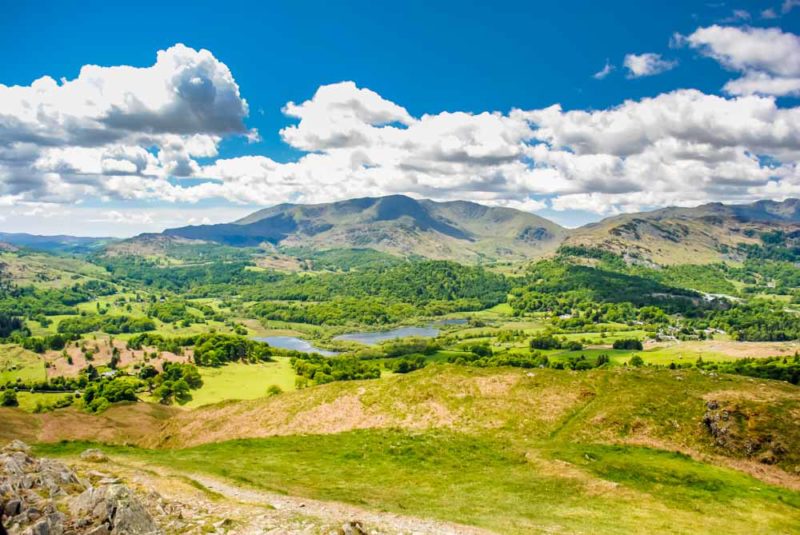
(426, 58)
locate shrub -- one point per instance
(636, 361)
(628, 343)
(9, 398)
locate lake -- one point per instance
(294, 343)
(376, 337)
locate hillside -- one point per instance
(471, 232)
(704, 234)
(59, 243)
(543, 444)
(396, 224)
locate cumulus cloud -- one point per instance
(62, 140)
(682, 147)
(648, 64)
(768, 58)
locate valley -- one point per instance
(388, 361)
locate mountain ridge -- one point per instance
(466, 231)
(396, 224)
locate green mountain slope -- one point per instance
(395, 224)
(704, 234)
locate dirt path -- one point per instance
(334, 513)
(202, 504)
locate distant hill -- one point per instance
(699, 235)
(470, 232)
(396, 224)
(59, 243)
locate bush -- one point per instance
(636, 361)
(9, 398)
(407, 364)
(544, 342)
(628, 343)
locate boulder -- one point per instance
(94, 455)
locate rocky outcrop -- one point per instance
(730, 428)
(45, 497)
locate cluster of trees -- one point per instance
(628, 343)
(10, 324)
(417, 283)
(171, 344)
(33, 302)
(320, 370)
(215, 349)
(101, 391)
(175, 383)
(581, 295)
(756, 320)
(406, 364)
(775, 368)
(548, 341)
(40, 344)
(109, 324)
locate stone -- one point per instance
(17, 445)
(13, 507)
(102, 529)
(353, 527)
(93, 455)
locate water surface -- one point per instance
(376, 337)
(294, 343)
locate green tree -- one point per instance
(9, 398)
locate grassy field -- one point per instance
(479, 480)
(28, 401)
(18, 363)
(242, 381)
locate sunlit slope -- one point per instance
(395, 224)
(700, 235)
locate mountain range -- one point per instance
(469, 232)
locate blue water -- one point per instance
(295, 343)
(451, 321)
(376, 337)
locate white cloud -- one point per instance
(768, 14)
(61, 141)
(648, 64)
(123, 217)
(789, 5)
(605, 71)
(681, 147)
(768, 57)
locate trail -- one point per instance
(208, 501)
(335, 513)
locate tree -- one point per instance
(9, 398)
(628, 343)
(636, 361)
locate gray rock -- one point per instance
(17, 445)
(102, 529)
(94, 455)
(13, 507)
(130, 516)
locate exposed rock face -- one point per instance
(729, 428)
(45, 497)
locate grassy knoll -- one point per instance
(18, 363)
(479, 480)
(242, 381)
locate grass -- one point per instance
(242, 381)
(18, 363)
(28, 401)
(483, 481)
